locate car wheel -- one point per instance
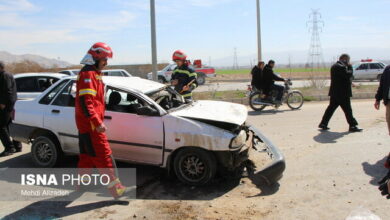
(161, 79)
(195, 166)
(45, 152)
(201, 79)
(379, 77)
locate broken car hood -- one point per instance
(215, 111)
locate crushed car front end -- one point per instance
(251, 149)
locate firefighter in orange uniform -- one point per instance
(95, 150)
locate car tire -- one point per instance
(379, 77)
(45, 152)
(201, 79)
(161, 79)
(195, 166)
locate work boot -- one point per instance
(18, 146)
(323, 127)
(7, 152)
(116, 189)
(355, 129)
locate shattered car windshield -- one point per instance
(167, 98)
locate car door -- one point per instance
(60, 117)
(133, 137)
(361, 72)
(375, 70)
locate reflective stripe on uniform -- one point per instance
(187, 95)
(87, 92)
(185, 72)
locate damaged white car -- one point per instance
(149, 123)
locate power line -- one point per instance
(315, 25)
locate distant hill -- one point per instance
(7, 57)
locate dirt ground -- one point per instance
(328, 175)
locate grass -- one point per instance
(278, 70)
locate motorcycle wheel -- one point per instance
(295, 100)
(252, 98)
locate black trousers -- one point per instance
(5, 120)
(279, 90)
(345, 104)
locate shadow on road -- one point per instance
(267, 112)
(329, 137)
(51, 209)
(377, 171)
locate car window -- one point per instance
(75, 72)
(67, 96)
(50, 95)
(375, 66)
(363, 66)
(119, 101)
(113, 73)
(45, 82)
(27, 84)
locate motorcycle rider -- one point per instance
(269, 78)
(257, 75)
(95, 150)
(183, 76)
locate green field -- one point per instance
(278, 70)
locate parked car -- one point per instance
(31, 85)
(368, 70)
(151, 125)
(165, 74)
(108, 72)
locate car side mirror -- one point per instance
(147, 111)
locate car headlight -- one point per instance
(239, 140)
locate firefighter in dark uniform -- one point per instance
(95, 151)
(340, 93)
(183, 76)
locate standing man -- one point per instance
(95, 150)
(340, 93)
(183, 76)
(269, 78)
(257, 75)
(8, 98)
(383, 93)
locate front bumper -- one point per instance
(273, 171)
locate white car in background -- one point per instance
(368, 70)
(151, 125)
(109, 72)
(31, 85)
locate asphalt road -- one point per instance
(328, 175)
(232, 86)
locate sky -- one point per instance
(205, 29)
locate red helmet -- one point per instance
(179, 55)
(100, 51)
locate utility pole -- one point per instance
(235, 59)
(153, 37)
(259, 55)
(315, 24)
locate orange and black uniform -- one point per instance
(95, 150)
(185, 75)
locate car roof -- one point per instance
(131, 83)
(71, 70)
(108, 70)
(55, 75)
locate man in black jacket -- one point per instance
(340, 93)
(257, 75)
(269, 78)
(383, 93)
(7, 101)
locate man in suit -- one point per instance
(8, 98)
(340, 93)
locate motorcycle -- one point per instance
(259, 101)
